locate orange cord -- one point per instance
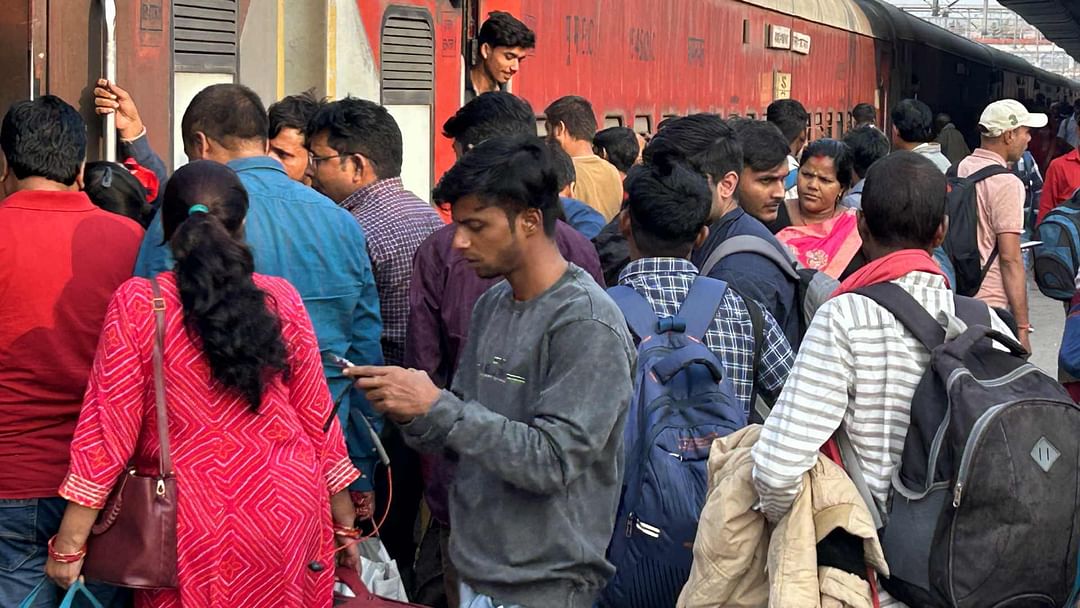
(376, 526)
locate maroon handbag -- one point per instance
(133, 543)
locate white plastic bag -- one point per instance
(380, 573)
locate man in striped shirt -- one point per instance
(858, 366)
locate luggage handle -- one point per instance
(69, 598)
(967, 340)
(666, 372)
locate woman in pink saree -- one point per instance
(821, 233)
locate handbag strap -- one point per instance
(159, 379)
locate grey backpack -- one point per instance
(985, 505)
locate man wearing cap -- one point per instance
(1005, 131)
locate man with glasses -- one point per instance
(356, 154)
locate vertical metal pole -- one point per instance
(109, 28)
(986, 18)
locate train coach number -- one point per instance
(581, 36)
(695, 51)
(642, 44)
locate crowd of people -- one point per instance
(316, 318)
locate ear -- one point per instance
(485, 50)
(702, 235)
(727, 186)
(202, 145)
(266, 148)
(5, 168)
(942, 230)
(624, 225)
(79, 178)
(864, 230)
(532, 221)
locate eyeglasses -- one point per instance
(314, 161)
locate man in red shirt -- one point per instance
(61, 258)
(1062, 180)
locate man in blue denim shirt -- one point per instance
(294, 233)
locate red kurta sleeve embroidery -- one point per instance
(309, 394)
(113, 407)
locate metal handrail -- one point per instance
(109, 29)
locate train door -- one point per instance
(407, 53)
(204, 53)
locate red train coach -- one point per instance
(636, 60)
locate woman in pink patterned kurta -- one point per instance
(254, 485)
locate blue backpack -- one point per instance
(1057, 260)
(682, 401)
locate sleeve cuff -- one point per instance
(366, 471)
(84, 492)
(436, 424)
(341, 476)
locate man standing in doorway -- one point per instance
(792, 119)
(913, 130)
(504, 44)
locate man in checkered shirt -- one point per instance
(356, 155)
(664, 220)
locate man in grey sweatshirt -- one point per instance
(538, 405)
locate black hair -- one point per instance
(44, 137)
(565, 173)
(763, 145)
(490, 115)
(941, 121)
(903, 200)
(864, 113)
(226, 113)
(576, 113)
(293, 112)
(513, 173)
(913, 121)
(705, 141)
(224, 310)
(839, 152)
(868, 144)
(619, 146)
(113, 188)
(789, 116)
(359, 126)
(668, 202)
(685, 137)
(503, 29)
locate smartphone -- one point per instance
(339, 361)
(1030, 245)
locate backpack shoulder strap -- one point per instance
(855, 472)
(748, 243)
(908, 311)
(636, 308)
(972, 311)
(759, 410)
(986, 172)
(698, 309)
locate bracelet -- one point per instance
(65, 558)
(1026, 326)
(346, 531)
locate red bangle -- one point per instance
(65, 558)
(346, 531)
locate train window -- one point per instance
(829, 125)
(541, 126)
(643, 124)
(407, 55)
(840, 124)
(613, 120)
(746, 31)
(204, 37)
(752, 115)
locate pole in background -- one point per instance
(109, 28)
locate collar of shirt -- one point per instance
(1073, 155)
(858, 187)
(727, 219)
(792, 162)
(49, 200)
(372, 193)
(654, 266)
(988, 155)
(255, 162)
(927, 147)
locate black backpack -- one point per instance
(985, 505)
(962, 240)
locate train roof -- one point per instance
(842, 14)
(1058, 20)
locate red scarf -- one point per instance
(890, 268)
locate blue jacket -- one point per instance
(298, 234)
(582, 217)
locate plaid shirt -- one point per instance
(395, 222)
(665, 282)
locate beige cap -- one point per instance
(1009, 114)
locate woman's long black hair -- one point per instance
(223, 307)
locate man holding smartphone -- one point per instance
(539, 403)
